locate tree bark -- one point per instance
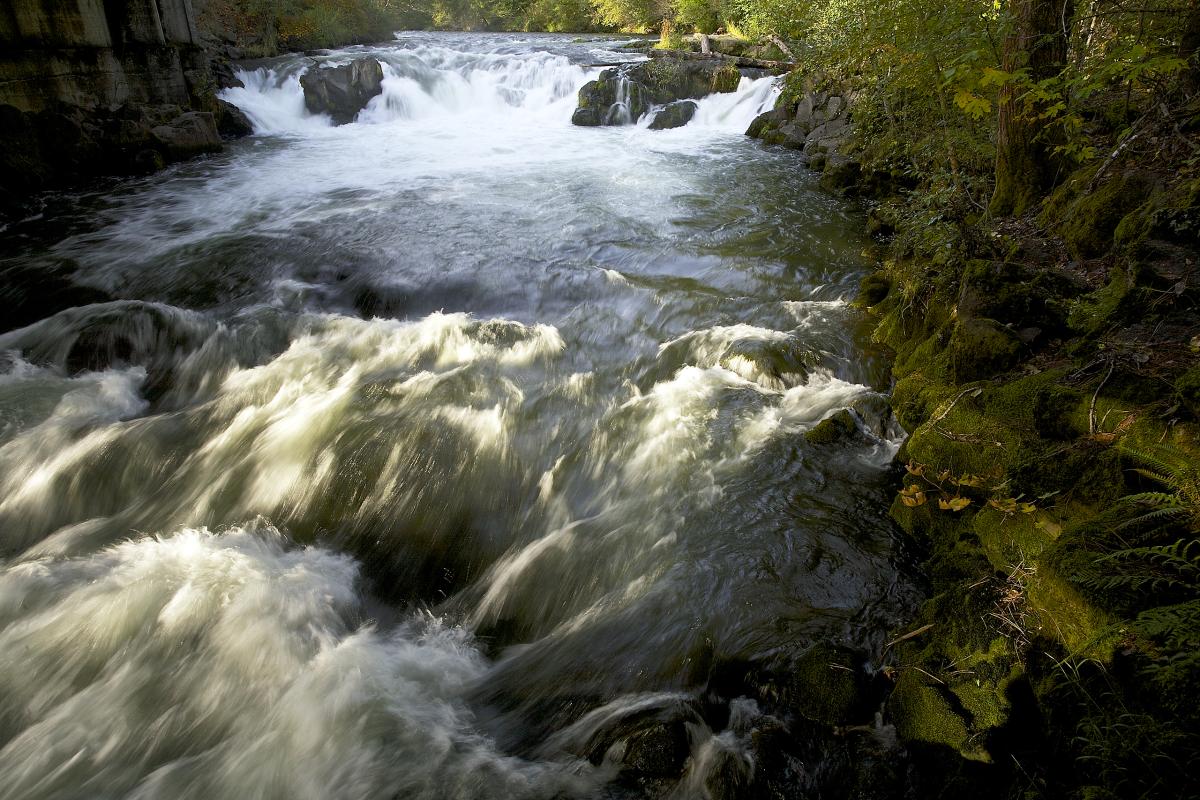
(1189, 47)
(1037, 42)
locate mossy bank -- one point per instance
(1046, 368)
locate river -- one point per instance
(407, 458)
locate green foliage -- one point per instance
(263, 27)
(1167, 569)
(1179, 473)
(705, 16)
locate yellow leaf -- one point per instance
(1049, 526)
(994, 77)
(972, 104)
(959, 503)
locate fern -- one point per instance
(1154, 568)
(1178, 472)
(1171, 568)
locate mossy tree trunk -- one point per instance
(1189, 47)
(1036, 42)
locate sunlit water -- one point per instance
(407, 453)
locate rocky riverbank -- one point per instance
(88, 90)
(1047, 368)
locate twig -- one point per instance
(908, 636)
(1092, 409)
(942, 415)
(933, 677)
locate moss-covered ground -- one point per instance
(1056, 656)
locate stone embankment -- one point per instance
(91, 88)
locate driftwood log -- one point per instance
(741, 61)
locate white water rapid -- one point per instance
(456, 452)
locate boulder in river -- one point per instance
(612, 99)
(188, 135)
(674, 115)
(622, 94)
(342, 92)
(232, 121)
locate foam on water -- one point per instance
(282, 692)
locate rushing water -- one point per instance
(398, 459)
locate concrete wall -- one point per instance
(95, 52)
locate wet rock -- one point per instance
(609, 100)
(837, 428)
(30, 293)
(650, 740)
(622, 94)
(188, 135)
(674, 115)
(232, 121)
(821, 125)
(840, 174)
(729, 776)
(342, 92)
(148, 161)
(658, 750)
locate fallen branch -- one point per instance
(783, 48)
(907, 636)
(739, 61)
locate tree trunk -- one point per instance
(1038, 43)
(1189, 47)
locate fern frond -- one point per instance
(1160, 477)
(1158, 515)
(1153, 498)
(1161, 458)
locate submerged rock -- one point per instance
(674, 115)
(623, 94)
(342, 92)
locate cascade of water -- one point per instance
(549, 385)
(620, 112)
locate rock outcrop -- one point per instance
(95, 88)
(820, 124)
(674, 115)
(187, 135)
(342, 92)
(817, 122)
(623, 94)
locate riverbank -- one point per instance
(1047, 368)
(87, 92)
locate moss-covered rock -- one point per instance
(835, 428)
(828, 685)
(1187, 390)
(1089, 222)
(873, 289)
(922, 713)
(980, 348)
